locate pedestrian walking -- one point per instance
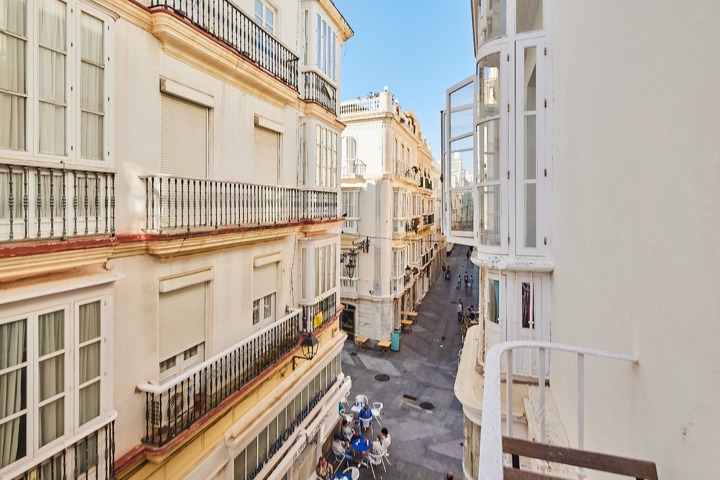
(459, 282)
(459, 311)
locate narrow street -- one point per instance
(415, 385)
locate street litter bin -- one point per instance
(395, 340)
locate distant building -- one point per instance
(392, 247)
(169, 238)
(591, 208)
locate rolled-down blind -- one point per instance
(182, 319)
(267, 154)
(184, 133)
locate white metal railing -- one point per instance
(351, 225)
(491, 449)
(401, 226)
(348, 286)
(353, 167)
(360, 105)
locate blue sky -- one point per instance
(418, 49)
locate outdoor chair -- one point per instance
(376, 460)
(376, 411)
(354, 472)
(339, 459)
(361, 400)
(366, 423)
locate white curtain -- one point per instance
(51, 67)
(12, 395)
(12, 75)
(51, 343)
(89, 361)
(91, 88)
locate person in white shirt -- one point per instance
(386, 440)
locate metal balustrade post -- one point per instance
(11, 200)
(541, 351)
(38, 200)
(581, 400)
(509, 393)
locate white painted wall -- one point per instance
(636, 225)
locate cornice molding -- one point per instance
(25, 266)
(202, 51)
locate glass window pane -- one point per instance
(461, 211)
(13, 385)
(52, 420)
(465, 143)
(461, 122)
(530, 147)
(52, 129)
(14, 449)
(89, 362)
(51, 332)
(12, 113)
(529, 15)
(529, 82)
(494, 301)
(91, 46)
(462, 96)
(490, 215)
(13, 344)
(13, 17)
(239, 470)
(489, 151)
(89, 402)
(530, 215)
(12, 63)
(493, 17)
(52, 377)
(89, 321)
(489, 90)
(52, 18)
(461, 169)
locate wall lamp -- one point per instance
(309, 347)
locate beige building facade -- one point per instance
(169, 238)
(392, 247)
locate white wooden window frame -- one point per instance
(74, 12)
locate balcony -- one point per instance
(55, 203)
(91, 456)
(351, 226)
(401, 226)
(321, 312)
(226, 23)
(174, 203)
(348, 287)
(493, 445)
(319, 90)
(353, 168)
(361, 105)
(173, 407)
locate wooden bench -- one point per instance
(384, 346)
(406, 325)
(361, 342)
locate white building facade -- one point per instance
(392, 245)
(562, 176)
(169, 237)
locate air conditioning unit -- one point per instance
(173, 409)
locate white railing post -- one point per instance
(508, 391)
(542, 394)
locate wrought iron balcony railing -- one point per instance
(173, 203)
(319, 90)
(224, 21)
(320, 312)
(173, 407)
(43, 203)
(92, 456)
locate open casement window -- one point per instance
(326, 47)
(60, 44)
(182, 329)
(52, 364)
(458, 159)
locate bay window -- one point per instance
(52, 374)
(62, 113)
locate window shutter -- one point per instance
(265, 280)
(184, 142)
(267, 155)
(182, 319)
